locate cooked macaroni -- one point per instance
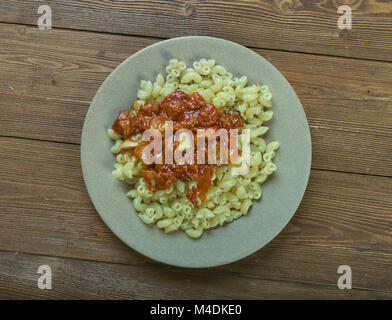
(229, 197)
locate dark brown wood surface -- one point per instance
(288, 25)
(47, 81)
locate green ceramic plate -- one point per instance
(281, 194)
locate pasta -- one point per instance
(229, 197)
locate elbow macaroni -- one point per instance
(229, 197)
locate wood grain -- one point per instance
(47, 80)
(343, 219)
(76, 279)
(290, 25)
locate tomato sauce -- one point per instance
(187, 111)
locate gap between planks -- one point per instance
(312, 168)
(212, 270)
(128, 35)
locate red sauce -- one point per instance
(188, 111)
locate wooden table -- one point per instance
(49, 77)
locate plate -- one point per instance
(281, 194)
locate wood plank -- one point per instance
(343, 219)
(301, 25)
(78, 279)
(48, 79)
